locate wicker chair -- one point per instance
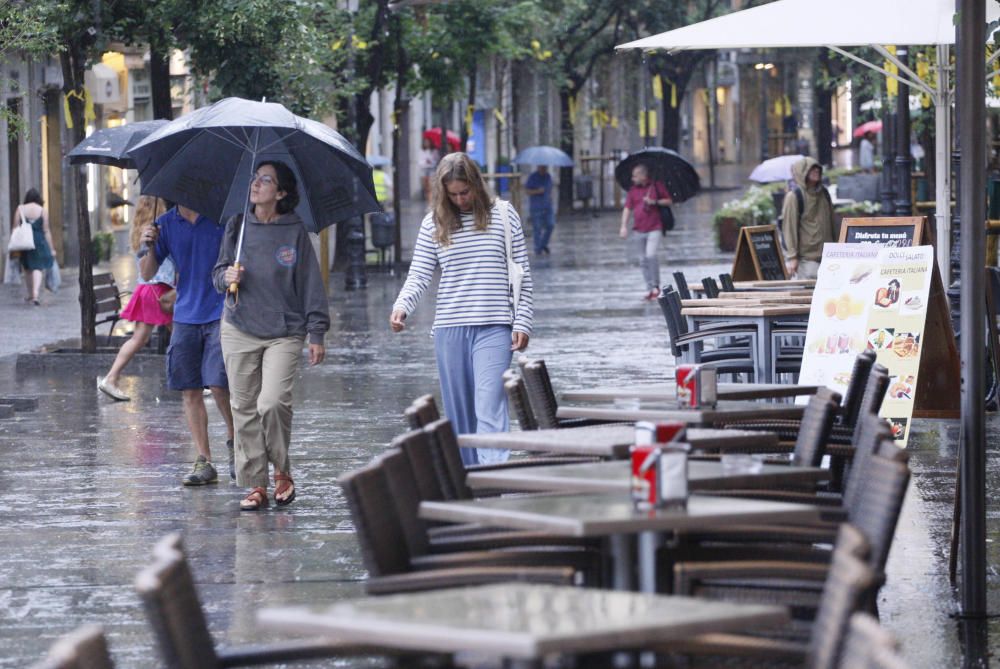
(83, 648)
(866, 639)
(726, 281)
(517, 400)
(171, 601)
(711, 287)
(682, 285)
(385, 546)
(421, 411)
(542, 398)
(848, 584)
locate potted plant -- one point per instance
(754, 207)
(102, 244)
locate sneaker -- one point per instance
(111, 390)
(232, 459)
(203, 472)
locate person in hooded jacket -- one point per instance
(807, 219)
(280, 302)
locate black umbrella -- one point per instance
(665, 166)
(110, 146)
(206, 159)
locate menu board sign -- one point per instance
(871, 298)
(898, 231)
(758, 255)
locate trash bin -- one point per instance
(584, 187)
(383, 227)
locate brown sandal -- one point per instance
(256, 500)
(282, 482)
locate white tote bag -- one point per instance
(515, 273)
(22, 238)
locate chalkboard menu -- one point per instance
(888, 231)
(758, 255)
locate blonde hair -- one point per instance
(146, 211)
(447, 217)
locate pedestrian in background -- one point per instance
(427, 162)
(807, 219)
(194, 357)
(866, 152)
(475, 329)
(642, 204)
(35, 263)
(543, 217)
(144, 308)
(280, 301)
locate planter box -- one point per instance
(728, 230)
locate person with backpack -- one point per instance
(807, 219)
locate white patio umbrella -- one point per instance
(792, 23)
(778, 168)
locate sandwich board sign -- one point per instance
(898, 231)
(758, 255)
(886, 300)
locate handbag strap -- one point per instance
(24, 221)
(505, 217)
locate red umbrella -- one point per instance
(865, 128)
(434, 134)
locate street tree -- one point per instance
(576, 35)
(24, 29)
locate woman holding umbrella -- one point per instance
(643, 203)
(281, 301)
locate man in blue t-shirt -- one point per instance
(194, 358)
(543, 217)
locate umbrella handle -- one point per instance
(234, 289)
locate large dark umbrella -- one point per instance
(206, 159)
(110, 146)
(665, 166)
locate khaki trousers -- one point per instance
(262, 376)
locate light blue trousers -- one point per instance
(471, 360)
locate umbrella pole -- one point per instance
(234, 287)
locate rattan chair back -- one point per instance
(448, 461)
(876, 508)
(849, 584)
(711, 287)
(870, 434)
(83, 648)
(856, 388)
(171, 601)
(378, 528)
(406, 500)
(682, 285)
(422, 411)
(726, 281)
(517, 400)
(416, 445)
(865, 638)
(814, 430)
(541, 395)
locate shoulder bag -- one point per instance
(22, 238)
(666, 213)
(515, 273)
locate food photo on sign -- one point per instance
(880, 339)
(888, 295)
(901, 386)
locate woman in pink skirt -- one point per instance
(144, 308)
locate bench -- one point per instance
(107, 301)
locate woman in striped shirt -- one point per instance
(476, 326)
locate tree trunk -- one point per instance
(73, 71)
(159, 81)
(566, 144)
(824, 126)
(671, 136)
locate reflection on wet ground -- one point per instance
(90, 484)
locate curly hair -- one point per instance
(145, 213)
(447, 217)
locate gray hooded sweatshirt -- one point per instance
(281, 293)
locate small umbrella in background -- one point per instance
(869, 126)
(665, 166)
(778, 168)
(434, 134)
(543, 155)
(110, 146)
(376, 160)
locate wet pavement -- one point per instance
(91, 484)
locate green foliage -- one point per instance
(754, 207)
(862, 208)
(25, 28)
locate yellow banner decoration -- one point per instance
(469, 110)
(657, 87)
(891, 84)
(642, 123)
(572, 110)
(500, 118)
(673, 92)
(651, 124)
(779, 108)
(88, 106)
(787, 103)
(614, 121)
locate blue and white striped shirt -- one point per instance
(473, 289)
